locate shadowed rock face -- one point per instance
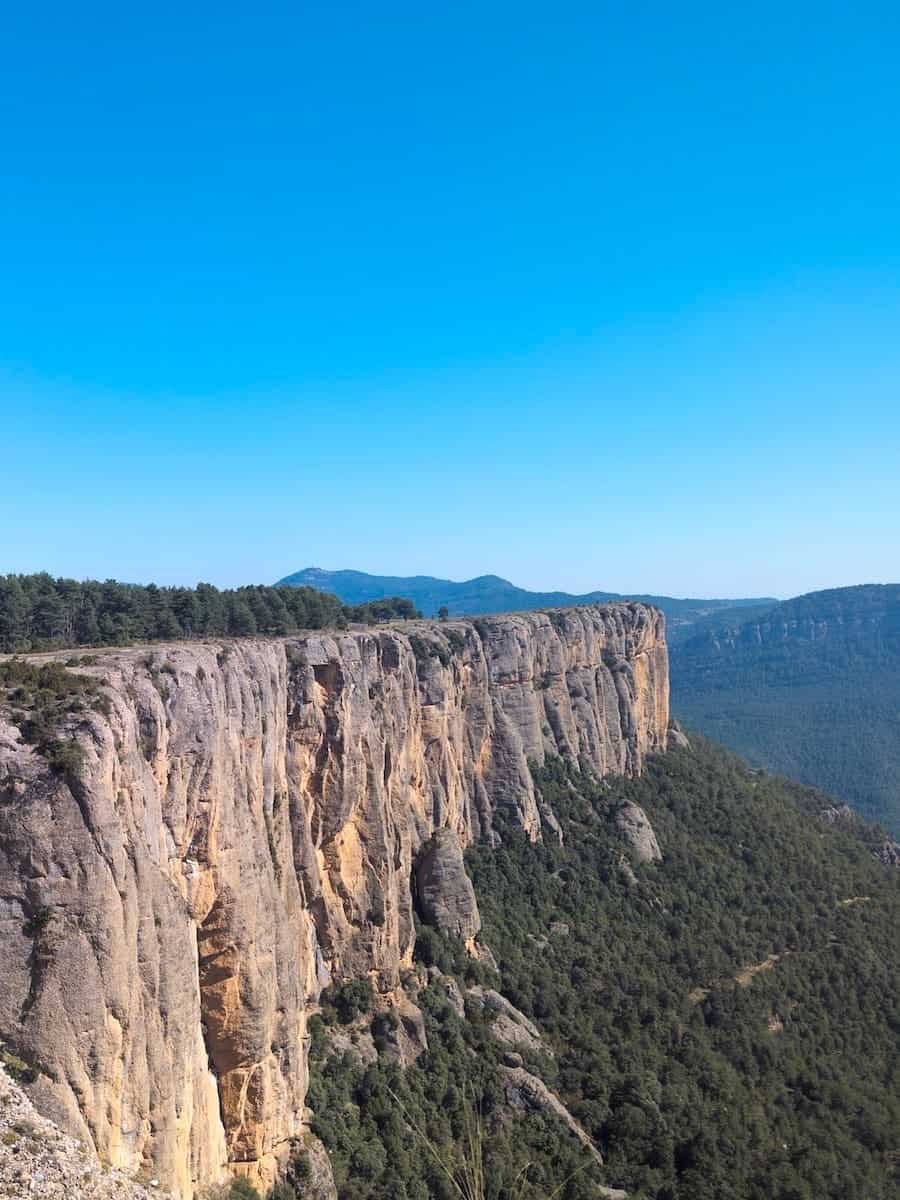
(445, 893)
(245, 827)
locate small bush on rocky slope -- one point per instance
(344, 1003)
(243, 1189)
(16, 1069)
(41, 698)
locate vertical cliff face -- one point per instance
(253, 820)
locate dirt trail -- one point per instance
(747, 974)
(744, 977)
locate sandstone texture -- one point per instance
(404, 1031)
(319, 1183)
(253, 820)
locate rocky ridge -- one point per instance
(250, 821)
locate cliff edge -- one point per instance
(252, 820)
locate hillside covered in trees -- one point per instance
(725, 1025)
(38, 612)
(810, 689)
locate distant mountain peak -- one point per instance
(490, 593)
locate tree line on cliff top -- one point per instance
(38, 612)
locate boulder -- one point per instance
(635, 825)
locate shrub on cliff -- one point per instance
(346, 1002)
(41, 698)
(15, 1067)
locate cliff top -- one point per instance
(81, 655)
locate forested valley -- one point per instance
(724, 1025)
(809, 688)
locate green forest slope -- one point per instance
(810, 689)
(698, 1077)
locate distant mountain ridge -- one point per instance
(867, 615)
(489, 594)
(809, 688)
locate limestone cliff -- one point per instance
(246, 824)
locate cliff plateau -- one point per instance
(250, 821)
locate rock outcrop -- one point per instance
(889, 853)
(527, 1091)
(635, 826)
(677, 738)
(245, 826)
(524, 1090)
(507, 1023)
(450, 989)
(446, 898)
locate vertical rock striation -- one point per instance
(247, 825)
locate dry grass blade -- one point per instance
(446, 1167)
(468, 1180)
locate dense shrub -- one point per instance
(346, 1002)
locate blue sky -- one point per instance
(586, 295)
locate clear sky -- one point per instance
(586, 295)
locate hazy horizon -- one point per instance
(536, 586)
